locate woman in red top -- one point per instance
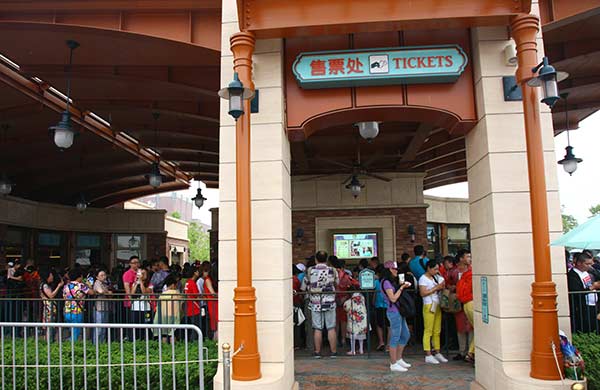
(212, 302)
(192, 304)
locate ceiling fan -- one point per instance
(356, 169)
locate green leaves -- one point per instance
(588, 345)
(98, 375)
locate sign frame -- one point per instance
(385, 76)
(485, 311)
(366, 279)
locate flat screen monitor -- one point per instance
(355, 245)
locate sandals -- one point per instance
(381, 347)
(470, 358)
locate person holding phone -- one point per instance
(430, 286)
(400, 334)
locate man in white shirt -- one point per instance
(583, 305)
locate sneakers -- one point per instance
(397, 368)
(402, 363)
(431, 360)
(333, 355)
(317, 355)
(440, 358)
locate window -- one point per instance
(127, 246)
(88, 249)
(458, 238)
(14, 244)
(433, 240)
(50, 249)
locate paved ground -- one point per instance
(360, 373)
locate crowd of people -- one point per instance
(583, 281)
(145, 293)
(408, 295)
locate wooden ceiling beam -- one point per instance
(113, 198)
(415, 144)
(35, 91)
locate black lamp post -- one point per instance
(548, 78)
(5, 185)
(199, 198)
(63, 131)
(82, 204)
(570, 162)
(235, 92)
(355, 187)
(154, 177)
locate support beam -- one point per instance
(524, 29)
(410, 153)
(36, 92)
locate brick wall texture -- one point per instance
(306, 219)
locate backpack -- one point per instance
(405, 304)
(464, 287)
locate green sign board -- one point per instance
(384, 66)
(366, 278)
(485, 313)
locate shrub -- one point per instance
(98, 375)
(588, 345)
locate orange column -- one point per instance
(543, 290)
(246, 364)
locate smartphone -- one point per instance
(401, 278)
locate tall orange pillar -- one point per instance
(246, 364)
(543, 290)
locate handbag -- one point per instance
(449, 302)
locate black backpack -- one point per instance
(405, 304)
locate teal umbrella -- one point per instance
(585, 236)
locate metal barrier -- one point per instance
(584, 307)
(115, 309)
(303, 336)
(164, 358)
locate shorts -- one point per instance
(326, 317)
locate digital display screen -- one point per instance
(355, 246)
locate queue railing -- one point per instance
(585, 311)
(168, 356)
(117, 308)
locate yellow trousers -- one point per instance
(432, 323)
(468, 308)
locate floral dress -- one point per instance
(356, 312)
(49, 309)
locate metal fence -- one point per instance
(585, 309)
(116, 309)
(165, 358)
(303, 334)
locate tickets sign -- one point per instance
(388, 66)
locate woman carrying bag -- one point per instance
(400, 334)
(430, 286)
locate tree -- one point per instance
(569, 222)
(594, 210)
(199, 243)
(176, 214)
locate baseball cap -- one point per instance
(390, 264)
(301, 267)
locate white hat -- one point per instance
(11, 264)
(301, 267)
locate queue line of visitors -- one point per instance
(394, 302)
(153, 294)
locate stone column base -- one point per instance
(275, 376)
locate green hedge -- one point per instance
(588, 345)
(210, 368)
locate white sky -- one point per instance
(577, 192)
